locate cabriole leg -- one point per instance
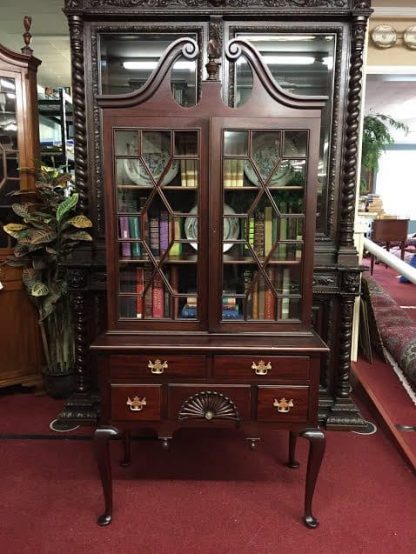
(316, 440)
(126, 449)
(292, 463)
(102, 437)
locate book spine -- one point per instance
(268, 234)
(147, 307)
(175, 228)
(154, 235)
(124, 234)
(139, 291)
(158, 302)
(269, 302)
(285, 292)
(174, 281)
(256, 300)
(163, 232)
(259, 234)
(134, 228)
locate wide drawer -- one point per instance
(266, 367)
(280, 403)
(135, 402)
(209, 402)
(129, 366)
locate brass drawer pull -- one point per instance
(261, 368)
(137, 404)
(283, 406)
(157, 367)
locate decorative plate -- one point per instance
(384, 36)
(231, 228)
(409, 37)
(264, 156)
(156, 163)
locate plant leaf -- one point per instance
(40, 236)
(66, 206)
(80, 222)
(22, 210)
(79, 235)
(13, 229)
(29, 275)
(39, 289)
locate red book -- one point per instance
(158, 297)
(139, 290)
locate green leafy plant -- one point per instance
(376, 136)
(48, 232)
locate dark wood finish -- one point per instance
(330, 274)
(388, 232)
(120, 394)
(102, 436)
(130, 367)
(282, 367)
(268, 395)
(21, 357)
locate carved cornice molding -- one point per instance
(105, 5)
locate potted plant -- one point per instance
(48, 232)
(376, 136)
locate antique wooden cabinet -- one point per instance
(21, 351)
(223, 210)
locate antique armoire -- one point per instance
(216, 152)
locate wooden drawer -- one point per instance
(240, 395)
(135, 402)
(128, 366)
(280, 403)
(265, 367)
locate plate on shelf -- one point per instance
(264, 156)
(231, 228)
(156, 162)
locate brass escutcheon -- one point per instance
(157, 367)
(137, 404)
(261, 368)
(283, 406)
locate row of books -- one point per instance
(157, 231)
(261, 301)
(234, 173)
(189, 173)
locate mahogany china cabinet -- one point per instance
(21, 349)
(216, 151)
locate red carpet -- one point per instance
(206, 494)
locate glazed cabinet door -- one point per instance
(156, 190)
(264, 175)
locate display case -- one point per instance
(22, 357)
(224, 270)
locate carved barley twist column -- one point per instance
(81, 341)
(351, 143)
(76, 28)
(344, 355)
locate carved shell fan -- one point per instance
(208, 405)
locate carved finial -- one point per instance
(27, 37)
(212, 65)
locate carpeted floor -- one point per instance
(209, 493)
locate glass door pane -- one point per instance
(157, 188)
(264, 176)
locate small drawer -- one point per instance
(135, 402)
(128, 366)
(262, 367)
(275, 403)
(198, 402)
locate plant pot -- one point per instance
(59, 385)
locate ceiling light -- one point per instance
(7, 84)
(284, 60)
(150, 65)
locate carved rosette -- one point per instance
(345, 342)
(76, 28)
(351, 143)
(208, 405)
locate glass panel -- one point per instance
(235, 143)
(9, 156)
(295, 143)
(127, 61)
(266, 152)
(157, 224)
(302, 64)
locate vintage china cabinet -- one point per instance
(222, 285)
(312, 49)
(21, 351)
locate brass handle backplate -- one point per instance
(283, 406)
(157, 367)
(261, 368)
(137, 404)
